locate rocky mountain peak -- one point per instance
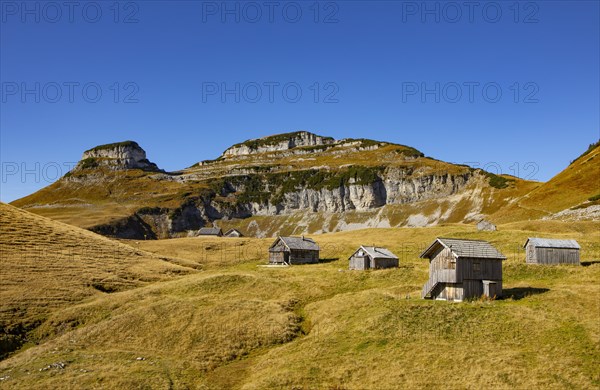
(117, 156)
(277, 143)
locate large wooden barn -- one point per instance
(293, 250)
(367, 257)
(551, 251)
(462, 269)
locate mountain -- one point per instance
(45, 265)
(573, 194)
(296, 182)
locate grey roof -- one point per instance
(377, 252)
(552, 243)
(302, 243)
(205, 231)
(230, 231)
(465, 248)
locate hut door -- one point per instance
(286, 257)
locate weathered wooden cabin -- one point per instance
(372, 257)
(551, 251)
(293, 250)
(462, 269)
(210, 231)
(233, 233)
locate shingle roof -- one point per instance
(301, 243)
(465, 248)
(552, 243)
(377, 252)
(209, 231)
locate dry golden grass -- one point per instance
(238, 325)
(46, 265)
(571, 187)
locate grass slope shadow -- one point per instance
(518, 293)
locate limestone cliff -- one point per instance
(117, 156)
(278, 142)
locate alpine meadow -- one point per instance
(336, 195)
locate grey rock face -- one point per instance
(271, 144)
(362, 197)
(118, 156)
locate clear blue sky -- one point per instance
(369, 61)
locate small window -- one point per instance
(476, 266)
(452, 264)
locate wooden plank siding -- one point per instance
(360, 262)
(299, 256)
(379, 263)
(479, 269)
(551, 256)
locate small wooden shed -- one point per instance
(210, 231)
(461, 269)
(372, 257)
(233, 233)
(551, 251)
(293, 250)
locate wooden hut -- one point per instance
(233, 233)
(293, 250)
(551, 251)
(210, 231)
(462, 269)
(372, 257)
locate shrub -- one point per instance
(498, 181)
(89, 163)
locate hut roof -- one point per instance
(464, 248)
(298, 243)
(552, 243)
(206, 231)
(231, 231)
(377, 252)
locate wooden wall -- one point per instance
(276, 257)
(303, 256)
(551, 255)
(448, 292)
(441, 260)
(384, 263)
(479, 269)
(360, 262)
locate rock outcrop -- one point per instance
(117, 156)
(277, 143)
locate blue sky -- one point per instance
(507, 86)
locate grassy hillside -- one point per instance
(237, 325)
(46, 265)
(578, 184)
(99, 196)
